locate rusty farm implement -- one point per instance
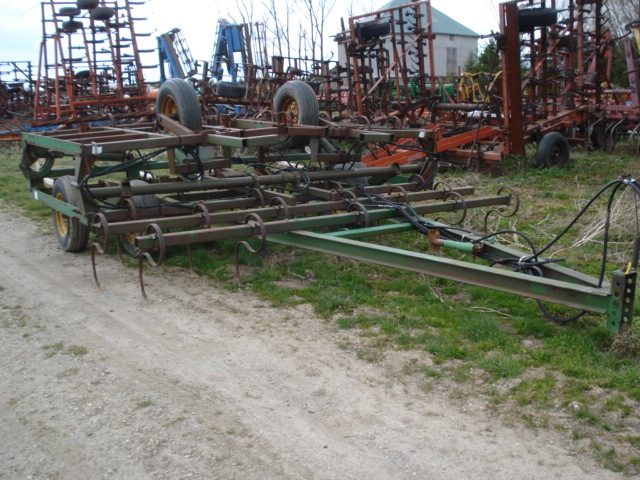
(288, 168)
(550, 85)
(151, 187)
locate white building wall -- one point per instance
(462, 46)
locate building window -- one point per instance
(452, 60)
(452, 37)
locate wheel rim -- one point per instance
(62, 221)
(169, 106)
(555, 157)
(290, 108)
(130, 238)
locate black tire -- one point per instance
(375, 30)
(231, 90)
(83, 75)
(295, 102)
(553, 151)
(72, 235)
(71, 26)
(597, 138)
(69, 11)
(140, 202)
(177, 99)
(87, 3)
(530, 18)
(102, 13)
(362, 181)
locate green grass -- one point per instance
(13, 185)
(76, 350)
(492, 344)
(52, 349)
(143, 404)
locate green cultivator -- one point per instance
(151, 187)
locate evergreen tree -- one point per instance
(488, 60)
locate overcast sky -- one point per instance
(21, 30)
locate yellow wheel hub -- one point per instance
(169, 106)
(290, 107)
(130, 237)
(62, 221)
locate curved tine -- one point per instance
(100, 222)
(243, 243)
(133, 211)
(205, 212)
(512, 194)
(447, 187)
(359, 206)
(147, 256)
(338, 186)
(365, 120)
(216, 114)
(200, 207)
(282, 207)
(95, 247)
(263, 231)
(486, 219)
(403, 192)
(394, 120)
(119, 250)
(259, 195)
(464, 207)
(348, 193)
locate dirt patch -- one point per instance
(200, 382)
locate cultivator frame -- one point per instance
(205, 191)
(280, 172)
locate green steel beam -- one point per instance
(373, 231)
(623, 288)
(550, 270)
(62, 207)
(51, 143)
(564, 293)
